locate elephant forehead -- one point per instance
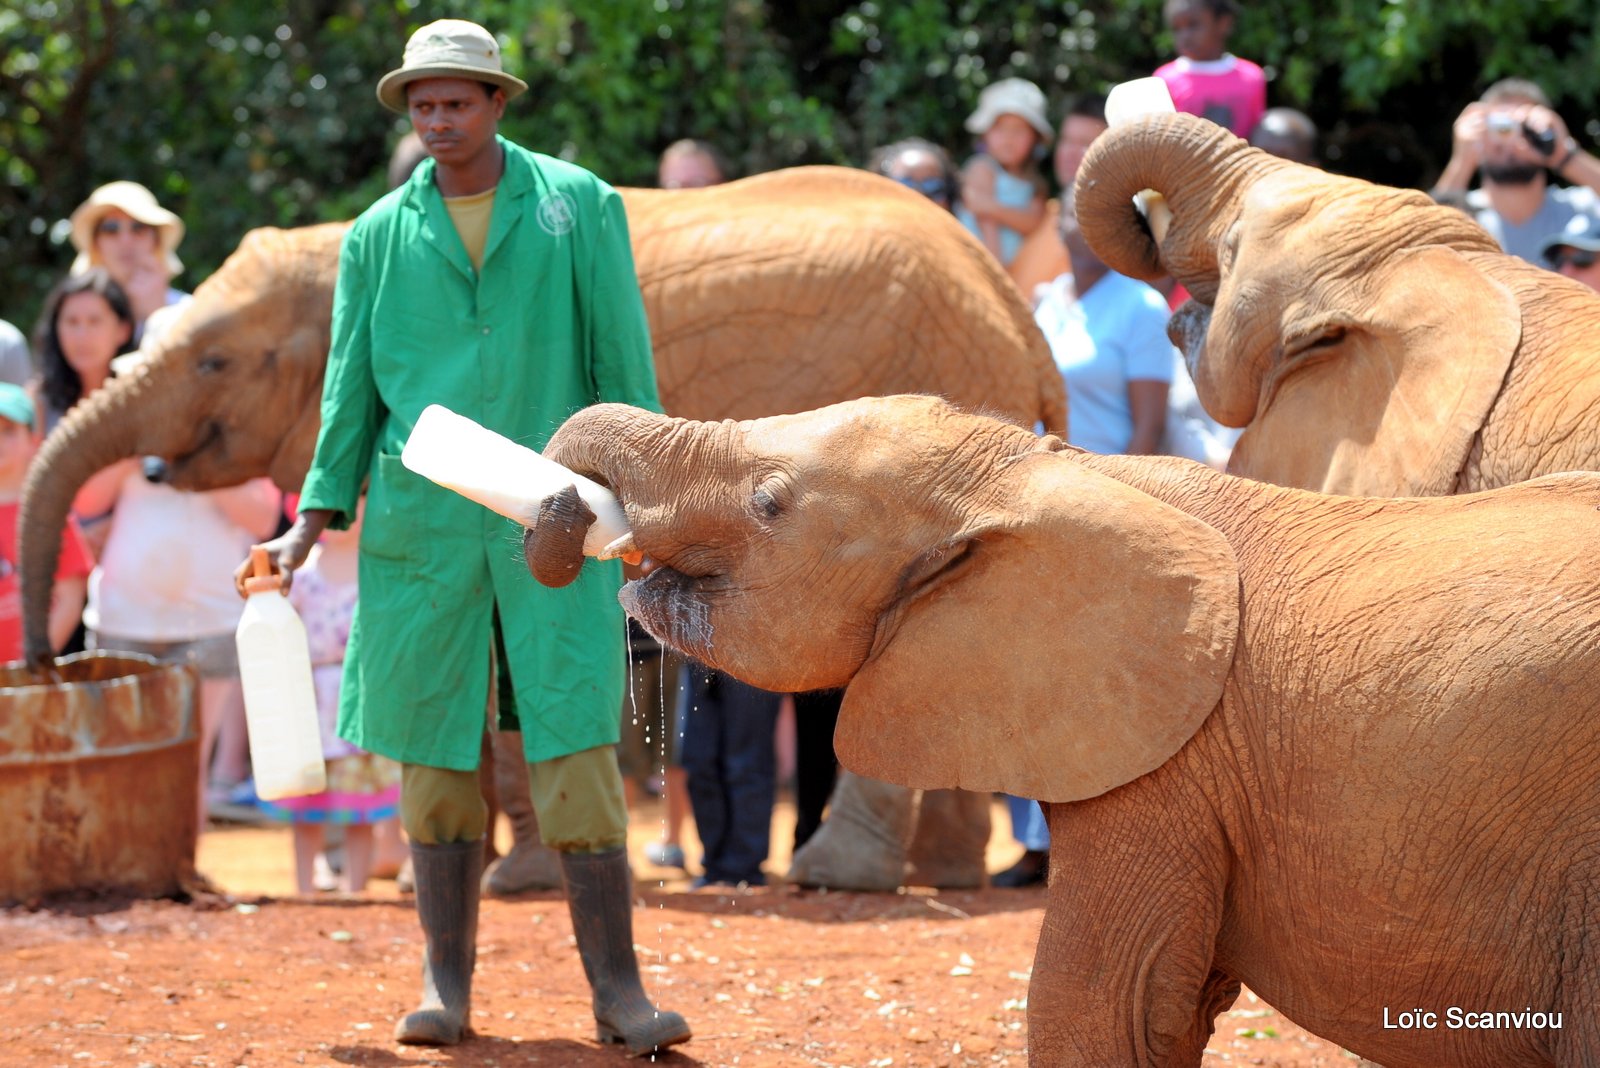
(870, 431)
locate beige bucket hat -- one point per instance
(1011, 96)
(448, 48)
(140, 204)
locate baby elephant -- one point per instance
(1342, 750)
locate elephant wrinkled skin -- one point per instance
(777, 293)
(1370, 341)
(1343, 750)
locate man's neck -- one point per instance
(1516, 204)
(478, 175)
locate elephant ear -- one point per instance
(1081, 642)
(1390, 404)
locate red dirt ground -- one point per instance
(775, 977)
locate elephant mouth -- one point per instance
(179, 464)
(674, 607)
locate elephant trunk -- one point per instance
(101, 430)
(610, 443)
(1200, 169)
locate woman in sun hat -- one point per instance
(1002, 190)
(122, 228)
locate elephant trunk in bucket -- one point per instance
(101, 430)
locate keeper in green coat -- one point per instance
(499, 283)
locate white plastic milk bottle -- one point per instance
(280, 706)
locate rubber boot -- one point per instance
(531, 865)
(447, 904)
(600, 898)
(862, 843)
(948, 846)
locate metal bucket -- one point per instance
(99, 774)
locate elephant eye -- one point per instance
(771, 498)
(211, 363)
(766, 504)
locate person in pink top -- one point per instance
(1206, 79)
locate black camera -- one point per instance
(1543, 141)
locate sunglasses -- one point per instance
(113, 227)
(928, 187)
(1578, 257)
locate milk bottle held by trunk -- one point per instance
(280, 706)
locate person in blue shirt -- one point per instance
(1108, 334)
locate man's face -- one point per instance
(1508, 158)
(1578, 263)
(1077, 134)
(688, 170)
(123, 244)
(455, 117)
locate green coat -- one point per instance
(554, 323)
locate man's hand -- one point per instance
(288, 554)
(1467, 135)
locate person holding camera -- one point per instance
(1513, 141)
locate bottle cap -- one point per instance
(262, 580)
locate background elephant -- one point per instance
(779, 293)
(1238, 788)
(1369, 340)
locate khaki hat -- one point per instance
(1011, 96)
(448, 48)
(140, 204)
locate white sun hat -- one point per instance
(1011, 96)
(448, 48)
(140, 205)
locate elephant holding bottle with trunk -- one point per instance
(1368, 340)
(1341, 750)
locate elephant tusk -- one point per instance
(1153, 206)
(623, 546)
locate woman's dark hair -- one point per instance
(60, 384)
(882, 159)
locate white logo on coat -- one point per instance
(557, 214)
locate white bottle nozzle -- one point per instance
(1128, 101)
(501, 475)
(1141, 96)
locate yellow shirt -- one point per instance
(471, 216)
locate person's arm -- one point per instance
(1147, 401)
(619, 334)
(977, 195)
(1567, 160)
(251, 506)
(68, 589)
(1466, 147)
(352, 411)
(287, 554)
(1022, 220)
(67, 596)
(98, 496)
(1149, 363)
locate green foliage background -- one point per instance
(243, 114)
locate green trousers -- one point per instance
(578, 799)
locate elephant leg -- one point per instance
(531, 865)
(951, 838)
(1124, 975)
(862, 843)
